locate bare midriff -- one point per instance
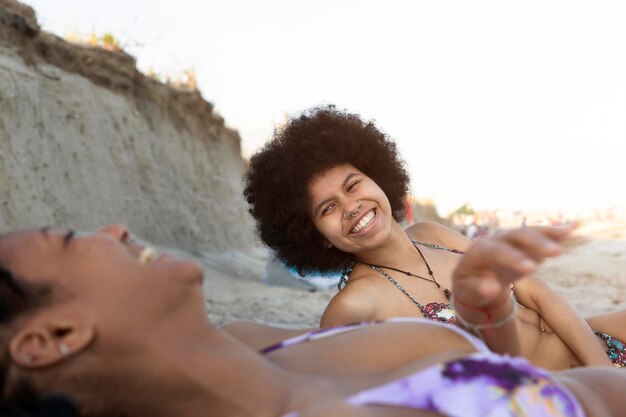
(543, 349)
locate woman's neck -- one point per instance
(396, 248)
(210, 375)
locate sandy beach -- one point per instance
(590, 274)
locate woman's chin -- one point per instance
(187, 271)
(196, 272)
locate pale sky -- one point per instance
(502, 104)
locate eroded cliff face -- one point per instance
(85, 140)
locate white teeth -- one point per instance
(365, 221)
(147, 255)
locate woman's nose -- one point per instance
(352, 210)
(118, 231)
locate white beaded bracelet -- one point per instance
(476, 328)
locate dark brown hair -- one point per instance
(279, 175)
(17, 396)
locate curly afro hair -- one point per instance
(278, 179)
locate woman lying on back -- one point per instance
(126, 334)
(328, 194)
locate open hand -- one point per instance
(491, 264)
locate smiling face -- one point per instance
(103, 276)
(349, 209)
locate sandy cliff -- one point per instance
(85, 139)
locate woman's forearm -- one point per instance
(496, 325)
(483, 277)
(563, 319)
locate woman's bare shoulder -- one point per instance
(431, 232)
(355, 303)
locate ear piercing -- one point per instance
(65, 351)
(354, 212)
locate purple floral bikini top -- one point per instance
(481, 384)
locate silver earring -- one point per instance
(65, 351)
(29, 358)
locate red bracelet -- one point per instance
(485, 310)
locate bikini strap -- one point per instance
(345, 276)
(332, 331)
(433, 246)
(316, 335)
(400, 287)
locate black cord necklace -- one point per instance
(432, 278)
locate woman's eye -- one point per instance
(327, 209)
(352, 185)
(69, 235)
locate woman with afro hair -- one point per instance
(328, 194)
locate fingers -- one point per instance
(493, 263)
(487, 269)
(497, 256)
(537, 242)
(480, 290)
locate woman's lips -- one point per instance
(363, 224)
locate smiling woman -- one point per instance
(279, 182)
(328, 193)
(349, 209)
(96, 291)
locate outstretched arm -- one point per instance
(482, 280)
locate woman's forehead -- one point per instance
(26, 247)
(16, 240)
(336, 175)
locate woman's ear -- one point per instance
(50, 337)
(328, 244)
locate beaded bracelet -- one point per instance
(476, 328)
(485, 310)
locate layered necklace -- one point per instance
(379, 268)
